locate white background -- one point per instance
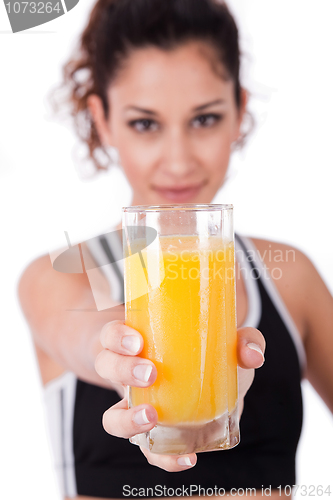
(281, 186)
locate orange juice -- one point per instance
(188, 322)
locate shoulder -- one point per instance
(40, 282)
(298, 282)
(285, 262)
(287, 267)
(63, 269)
(48, 286)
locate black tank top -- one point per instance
(270, 424)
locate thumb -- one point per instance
(250, 348)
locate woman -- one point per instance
(159, 81)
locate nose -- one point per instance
(178, 159)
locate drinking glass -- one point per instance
(180, 295)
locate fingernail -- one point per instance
(255, 347)
(142, 372)
(131, 343)
(140, 417)
(184, 461)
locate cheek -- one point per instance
(215, 155)
(136, 157)
(135, 170)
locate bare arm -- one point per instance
(62, 315)
(318, 307)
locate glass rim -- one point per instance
(194, 207)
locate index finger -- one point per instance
(120, 338)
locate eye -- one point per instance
(207, 120)
(144, 125)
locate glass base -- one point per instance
(219, 434)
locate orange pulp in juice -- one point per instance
(188, 323)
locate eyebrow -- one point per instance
(141, 110)
(153, 113)
(212, 103)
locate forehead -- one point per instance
(186, 76)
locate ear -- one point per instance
(244, 97)
(96, 108)
(244, 101)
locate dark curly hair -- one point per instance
(116, 27)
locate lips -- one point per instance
(179, 194)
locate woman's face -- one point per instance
(173, 119)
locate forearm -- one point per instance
(71, 338)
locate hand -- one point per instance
(119, 362)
